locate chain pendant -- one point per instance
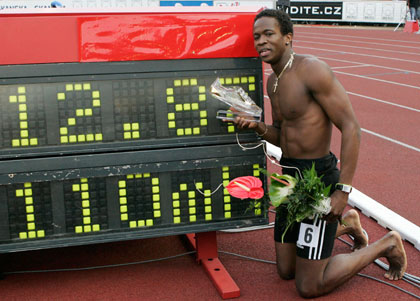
(275, 86)
(288, 65)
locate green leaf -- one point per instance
(278, 195)
(281, 186)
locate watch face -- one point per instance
(344, 188)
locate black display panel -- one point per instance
(101, 152)
(66, 108)
(99, 198)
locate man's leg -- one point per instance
(286, 260)
(286, 252)
(351, 226)
(318, 277)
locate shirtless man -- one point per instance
(307, 100)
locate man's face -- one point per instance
(268, 40)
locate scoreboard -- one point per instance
(99, 151)
(103, 106)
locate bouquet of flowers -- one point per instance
(304, 197)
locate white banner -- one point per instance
(374, 11)
(264, 4)
(21, 4)
(302, 10)
(31, 4)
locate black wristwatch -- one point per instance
(343, 187)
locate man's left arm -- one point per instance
(332, 97)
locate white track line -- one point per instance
(357, 47)
(385, 102)
(368, 65)
(360, 54)
(357, 37)
(379, 80)
(392, 140)
(354, 66)
(364, 42)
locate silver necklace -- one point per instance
(288, 65)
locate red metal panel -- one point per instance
(38, 39)
(172, 36)
(111, 36)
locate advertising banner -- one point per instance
(316, 10)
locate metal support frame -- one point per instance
(205, 244)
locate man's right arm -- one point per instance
(270, 133)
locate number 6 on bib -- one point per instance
(308, 235)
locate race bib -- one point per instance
(308, 235)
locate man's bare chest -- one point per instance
(291, 101)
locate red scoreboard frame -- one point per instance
(64, 36)
(76, 170)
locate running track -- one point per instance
(380, 70)
(381, 73)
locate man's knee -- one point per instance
(310, 278)
(285, 273)
(308, 290)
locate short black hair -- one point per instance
(286, 25)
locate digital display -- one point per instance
(103, 152)
(91, 109)
(177, 194)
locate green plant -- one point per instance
(304, 197)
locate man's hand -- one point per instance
(338, 203)
(243, 123)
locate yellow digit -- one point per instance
(256, 173)
(122, 191)
(226, 196)
(192, 203)
(187, 107)
(192, 210)
(207, 201)
(20, 100)
(65, 136)
(26, 193)
(83, 188)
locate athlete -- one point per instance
(306, 101)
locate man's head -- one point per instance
(283, 19)
(273, 35)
